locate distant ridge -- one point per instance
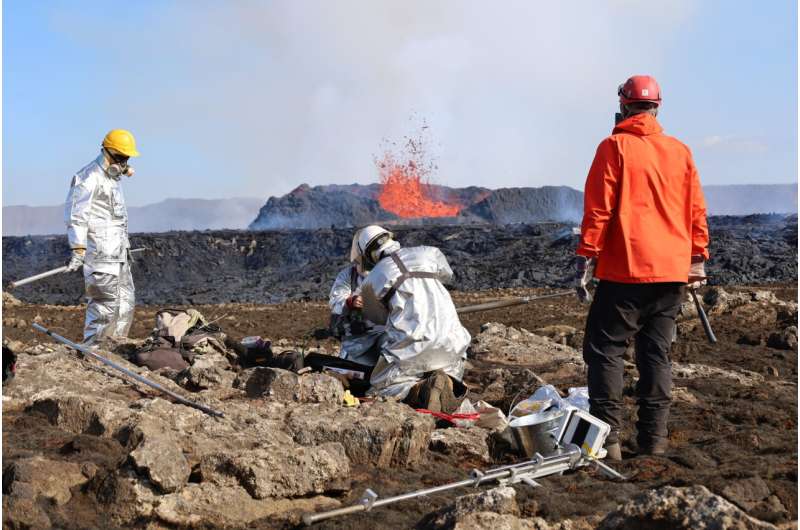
(356, 205)
(352, 205)
(746, 199)
(169, 214)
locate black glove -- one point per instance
(358, 327)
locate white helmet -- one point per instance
(373, 242)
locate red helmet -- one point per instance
(639, 88)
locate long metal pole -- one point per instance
(703, 317)
(51, 272)
(496, 304)
(134, 375)
(36, 277)
(526, 471)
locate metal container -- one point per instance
(538, 433)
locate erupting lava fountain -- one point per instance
(405, 192)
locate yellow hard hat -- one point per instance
(121, 141)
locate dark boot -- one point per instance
(435, 393)
(657, 446)
(613, 452)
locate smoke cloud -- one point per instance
(255, 98)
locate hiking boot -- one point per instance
(435, 393)
(613, 452)
(413, 398)
(654, 447)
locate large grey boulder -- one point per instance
(207, 505)
(285, 386)
(504, 344)
(754, 495)
(158, 455)
(692, 508)
(29, 481)
(280, 471)
(468, 444)
(41, 477)
(383, 434)
(210, 370)
(500, 501)
(496, 521)
(81, 413)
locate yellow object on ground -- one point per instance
(121, 141)
(349, 399)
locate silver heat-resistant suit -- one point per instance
(423, 331)
(356, 348)
(97, 220)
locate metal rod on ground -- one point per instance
(134, 375)
(508, 303)
(524, 472)
(51, 272)
(703, 317)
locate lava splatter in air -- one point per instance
(405, 176)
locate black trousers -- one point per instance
(646, 313)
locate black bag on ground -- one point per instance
(160, 358)
(357, 374)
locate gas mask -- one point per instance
(118, 166)
(372, 255)
(379, 249)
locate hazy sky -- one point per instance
(253, 98)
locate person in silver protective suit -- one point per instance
(97, 229)
(359, 336)
(424, 339)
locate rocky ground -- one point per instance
(84, 449)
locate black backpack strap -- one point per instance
(404, 275)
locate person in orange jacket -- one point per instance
(644, 236)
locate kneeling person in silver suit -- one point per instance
(360, 337)
(424, 348)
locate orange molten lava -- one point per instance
(405, 194)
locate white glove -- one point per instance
(697, 273)
(76, 262)
(584, 273)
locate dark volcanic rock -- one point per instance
(273, 266)
(529, 205)
(753, 249)
(693, 508)
(307, 207)
(357, 205)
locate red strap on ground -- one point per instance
(450, 417)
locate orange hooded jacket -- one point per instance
(644, 215)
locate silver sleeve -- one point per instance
(78, 209)
(340, 292)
